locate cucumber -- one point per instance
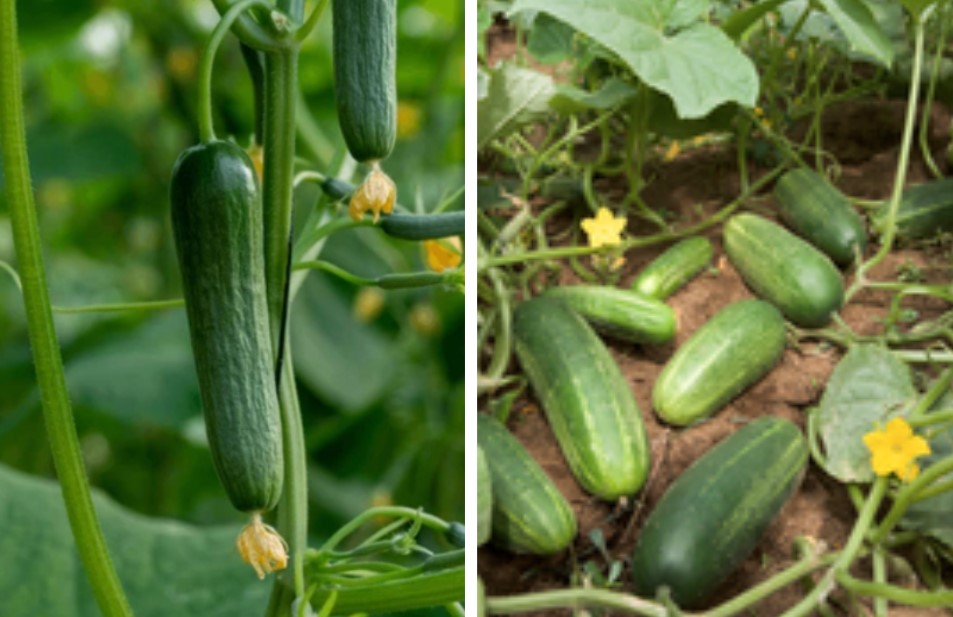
(821, 214)
(714, 514)
(925, 210)
(484, 499)
(456, 534)
(405, 226)
(671, 270)
(588, 403)
(530, 515)
(217, 225)
(624, 314)
(365, 55)
(730, 352)
(784, 269)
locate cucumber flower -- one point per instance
(262, 547)
(443, 254)
(604, 229)
(377, 193)
(894, 448)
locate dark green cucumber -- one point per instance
(588, 402)
(730, 352)
(365, 56)
(484, 499)
(624, 314)
(217, 224)
(671, 270)
(530, 515)
(821, 214)
(925, 211)
(406, 226)
(784, 270)
(714, 514)
(456, 534)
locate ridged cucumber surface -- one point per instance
(674, 268)
(821, 214)
(530, 515)
(784, 270)
(587, 401)
(217, 225)
(621, 313)
(733, 350)
(365, 63)
(714, 514)
(925, 210)
(484, 499)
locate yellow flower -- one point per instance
(604, 229)
(442, 254)
(893, 449)
(758, 111)
(425, 320)
(377, 193)
(368, 304)
(673, 151)
(262, 547)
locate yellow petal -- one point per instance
(262, 547)
(916, 446)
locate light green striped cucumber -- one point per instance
(588, 403)
(784, 270)
(484, 498)
(674, 268)
(733, 350)
(365, 57)
(216, 220)
(621, 313)
(530, 515)
(714, 514)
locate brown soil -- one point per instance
(863, 137)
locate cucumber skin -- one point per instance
(217, 225)
(784, 269)
(733, 350)
(671, 270)
(925, 210)
(530, 515)
(821, 214)
(587, 401)
(365, 61)
(484, 499)
(624, 314)
(714, 514)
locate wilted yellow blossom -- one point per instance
(377, 193)
(442, 254)
(262, 547)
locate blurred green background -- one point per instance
(110, 100)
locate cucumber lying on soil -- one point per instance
(621, 313)
(671, 270)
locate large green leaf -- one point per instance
(145, 376)
(571, 99)
(868, 386)
(514, 96)
(550, 40)
(849, 23)
(166, 567)
(663, 43)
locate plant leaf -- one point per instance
(868, 386)
(698, 66)
(849, 22)
(514, 97)
(166, 567)
(550, 40)
(572, 100)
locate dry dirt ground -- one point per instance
(864, 137)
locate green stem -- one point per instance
(57, 413)
(886, 242)
(901, 595)
(354, 524)
(119, 307)
(312, 20)
(206, 130)
(575, 599)
(424, 590)
(398, 280)
(251, 32)
(931, 91)
(908, 494)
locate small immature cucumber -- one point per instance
(784, 270)
(217, 224)
(733, 350)
(679, 264)
(714, 514)
(624, 314)
(484, 499)
(925, 210)
(821, 214)
(365, 56)
(589, 405)
(530, 515)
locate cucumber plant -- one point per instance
(242, 262)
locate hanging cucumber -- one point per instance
(365, 57)
(217, 225)
(586, 398)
